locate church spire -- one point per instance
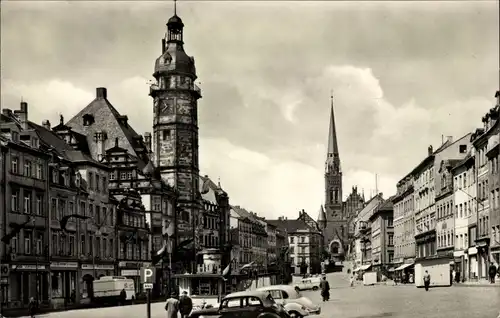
(333, 148)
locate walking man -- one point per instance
(492, 272)
(172, 307)
(185, 305)
(325, 289)
(33, 304)
(427, 280)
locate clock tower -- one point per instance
(175, 123)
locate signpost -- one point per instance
(148, 276)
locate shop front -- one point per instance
(132, 270)
(461, 267)
(64, 284)
(26, 281)
(88, 273)
(483, 258)
(473, 264)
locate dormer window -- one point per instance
(34, 142)
(15, 136)
(88, 119)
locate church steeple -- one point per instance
(332, 155)
(333, 148)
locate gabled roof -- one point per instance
(291, 226)
(107, 119)
(209, 190)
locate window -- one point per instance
(253, 301)
(166, 134)
(39, 204)
(98, 182)
(156, 203)
(27, 202)
(232, 303)
(71, 245)
(391, 239)
(82, 208)
(62, 209)
(112, 176)
(28, 237)
(104, 247)
(27, 169)
(129, 175)
(62, 245)
(91, 245)
(123, 176)
(104, 184)
(39, 171)
(83, 248)
(14, 201)
(54, 244)
(390, 222)
(111, 248)
(34, 142)
(302, 239)
(14, 244)
(55, 176)
(39, 244)
(14, 165)
(292, 239)
(391, 257)
(91, 181)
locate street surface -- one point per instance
(359, 302)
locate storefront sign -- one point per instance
(472, 251)
(134, 264)
(129, 272)
(103, 267)
(64, 265)
(29, 267)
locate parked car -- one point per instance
(246, 304)
(308, 283)
(296, 305)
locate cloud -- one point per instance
(402, 75)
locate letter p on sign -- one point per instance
(148, 275)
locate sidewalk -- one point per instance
(482, 283)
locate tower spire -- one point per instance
(175, 7)
(333, 148)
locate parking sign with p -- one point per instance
(148, 275)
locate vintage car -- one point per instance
(296, 305)
(246, 304)
(308, 283)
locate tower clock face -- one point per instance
(166, 106)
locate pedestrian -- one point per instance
(185, 305)
(325, 289)
(172, 306)
(493, 273)
(123, 297)
(427, 280)
(452, 276)
(32, 306)
(351, 280)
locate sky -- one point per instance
(403, 75)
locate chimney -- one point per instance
(101, 93)
(147, 140)
(7, 112)
(22, 115)
(429, 150)
(46, 124)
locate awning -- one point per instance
(363, 268)
(400, 268)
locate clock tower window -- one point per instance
(166, 134)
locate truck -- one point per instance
(107, 289)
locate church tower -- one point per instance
(175, 122)
(335, 231)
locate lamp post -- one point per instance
(170, 244)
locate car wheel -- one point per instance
(315, 288)
(295, 314)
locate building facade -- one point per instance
(445, 217)
(493, 155)
(381, 222)
(465, 217)
(404, 222)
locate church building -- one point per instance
(333, 218)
